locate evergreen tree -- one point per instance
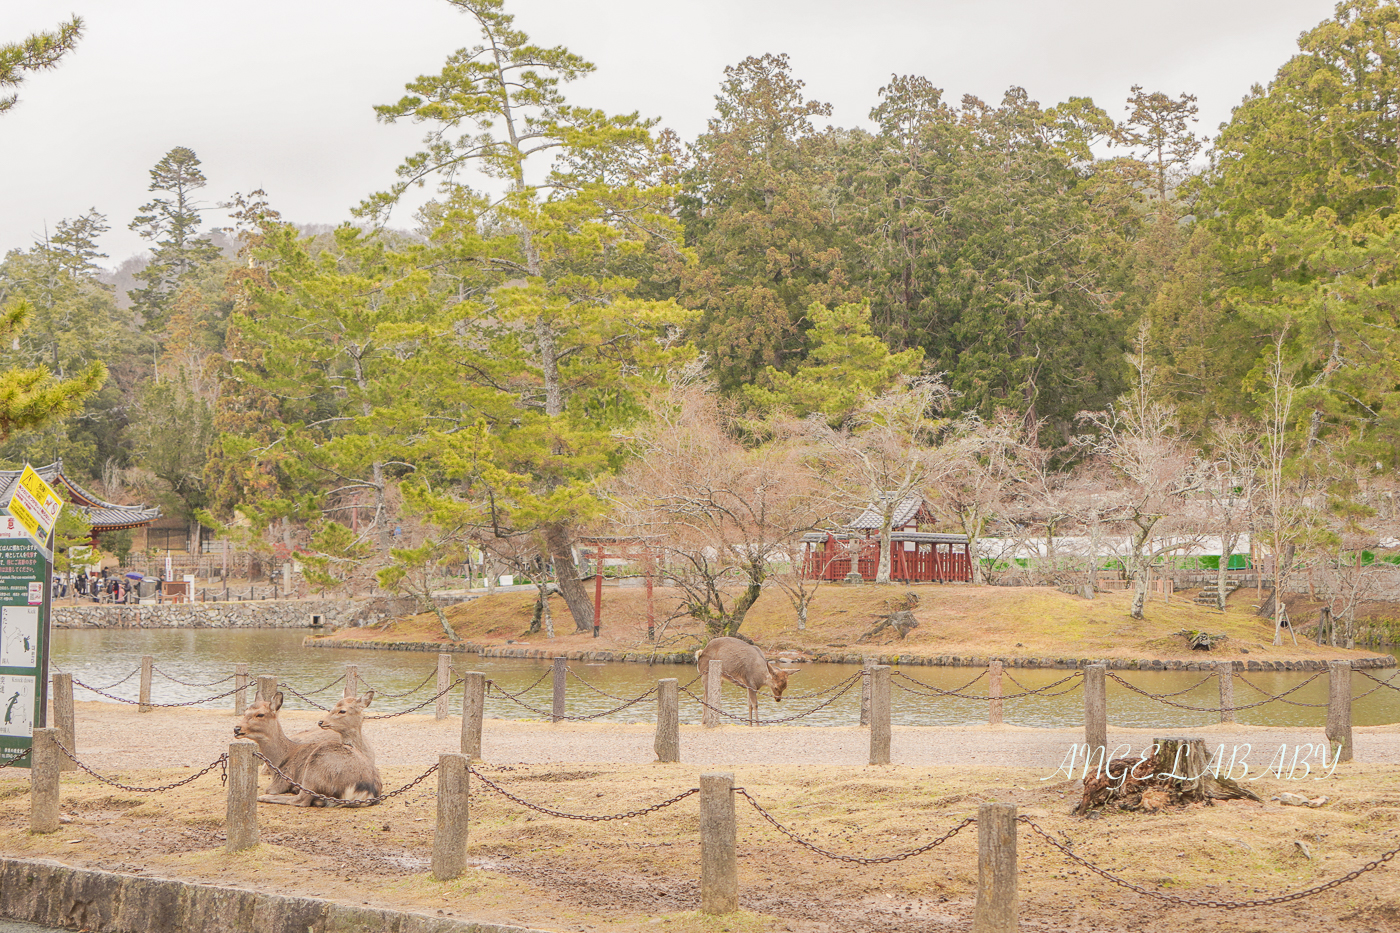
(38, 52)
(171, 223)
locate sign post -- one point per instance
(26, 596)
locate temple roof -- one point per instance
(104, 516)
(908, 509)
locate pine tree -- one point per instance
(171, 223)
(39, 52)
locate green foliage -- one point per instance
(38, 52)
(171, 223)
(72, 540)
(116, 542)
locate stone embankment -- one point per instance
(267, 613)
(906, 660)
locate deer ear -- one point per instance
(368, 699)
(277, 701)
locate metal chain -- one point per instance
(1041, 691)
(1176, 693)
(109, 686)
(550, 713)
(322, 689)
(522, 692)
(813, 694)
(1281, 696)
(221, 761)
(296, 693)
(854, 859)
(601, 693)
(186, 683)
(6, 762)
(929, 690)
(1211, 903)
(341, 801)
(217, 696)
(432, 699)
(579, 816)
(772, 722)
(1217, 709)
(398, 696)
(1388, 682)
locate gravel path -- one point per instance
(114, 736)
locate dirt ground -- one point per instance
(641, 873)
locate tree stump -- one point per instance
(1176, 775)
(902, 622)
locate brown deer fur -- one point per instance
(330, 769)
(345, 720)
(745, 666)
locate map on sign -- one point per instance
(35, 505)
(19, 636)
(16, 705)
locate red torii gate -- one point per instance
(629, 549)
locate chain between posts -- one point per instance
(772, 722)
(511, 696)
(432, 699)
(1038, 691)
(853, 859)
(579, 816)
(601, 693)
(6, 762)
(118, 683)
(298, 694)
(186, 683)
(1280, 697)
(1214, 903)
(1389, 682)
(322, 689)
(217, 696)
(220, 762)
(813, 694)
(929, 690)
(1216, 709)
(398, 696)
(543, 712)
(340, 801)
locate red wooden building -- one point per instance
(915, 556)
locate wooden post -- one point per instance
(1339, 708)
(241, 815)
(651, 608)
(267, 687)
(714, 677)
(352, 680)
(44, 762)
(866, 665)
(1225, 673)
(444, 680)
(719, 842)
(473, 707)
(668, 720)
(561, 674)
(996, 910)
(994, 693)
(880, 714)
(598, 590)
(1096, 709)
(63, 719)
(147, 663)
(240, 684)
(450, 834)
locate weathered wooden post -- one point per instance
(241, 815)
(994, 693)
(668, 720)
(1339, 709)
(444, 680)
(1225, 673)
(714, 678)
(240, 686)
(719, 844)
(1096, 709)
(453, 816)
(561, 674)
(997, 909)
(866, 665)
(267, 687)
(43, 781)
(880, 714)
(63, 719)
(473, 708)
(147, 664)
(352, 680)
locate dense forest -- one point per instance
(1085, 318)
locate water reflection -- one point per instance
(202, 656)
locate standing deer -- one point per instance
(744, 665)
(328, 768)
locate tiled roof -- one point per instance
(104, 516)
(903, 514)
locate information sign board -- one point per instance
(35, 506)
(26, 584)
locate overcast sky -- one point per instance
(277, 94)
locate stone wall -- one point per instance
(267, 613)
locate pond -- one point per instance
(200, 657)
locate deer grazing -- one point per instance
(328, 768)
(744, 665)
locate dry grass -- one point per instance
(953, 620)
(640, 874)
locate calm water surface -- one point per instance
(200, 656)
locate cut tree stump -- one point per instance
(902, 622)
(1177, 775)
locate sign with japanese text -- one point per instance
(25, 594)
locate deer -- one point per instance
(344, 720)
(745, 666)
(328, 768)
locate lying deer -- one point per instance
(344, 720)
(328, 768)
(744, 665)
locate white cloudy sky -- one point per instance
(278, 93)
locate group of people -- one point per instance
(104, 587)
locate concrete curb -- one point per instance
(688, 657)
(50, 893)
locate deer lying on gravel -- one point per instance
(344, 719)
(744, 665)
(328, 768)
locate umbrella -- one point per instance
(135, 575)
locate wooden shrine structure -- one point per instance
(915, 556)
